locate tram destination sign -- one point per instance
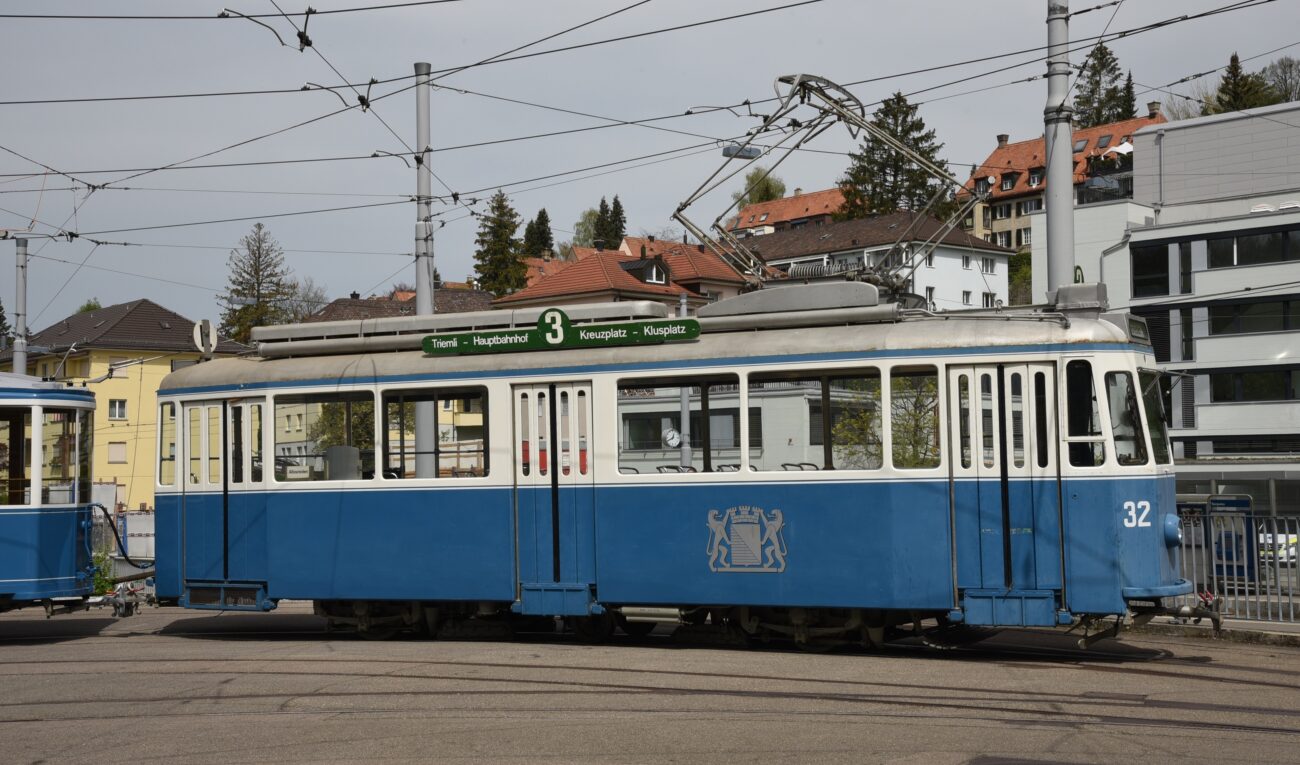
(554, 331)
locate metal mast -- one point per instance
(1057, 119)
(426, 426)
(20, 310)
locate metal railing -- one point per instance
(1247, 562)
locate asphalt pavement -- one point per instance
(182, 686)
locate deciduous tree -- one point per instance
(760, 186)
(1283, 76)
(90, 305)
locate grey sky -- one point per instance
(843, 40)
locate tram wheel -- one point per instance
(377, 632)
(592, 629)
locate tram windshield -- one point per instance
(65, 449)
(1153, 403)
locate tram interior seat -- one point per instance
(676, 469)
(799, 466)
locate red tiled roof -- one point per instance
(786, 209)
(596, 273)
(539, 268)
(1022, 156)
(445, 300)
(687, 262)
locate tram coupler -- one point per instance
(1211, 609)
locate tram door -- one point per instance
(245, 510)
(1005, 491)
(203, 496)
(554, 498)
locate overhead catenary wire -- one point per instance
(216, 17)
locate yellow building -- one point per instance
(141, 342)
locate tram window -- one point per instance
(582, 433)
(525, 464)
(334, 437)
(1125, 419)
(543, 435)
(85, 446)
(1041, 413)
(1083, 419)
(652, 436)
(236, 444)
(1153, 402)
(167, 444)
(195, 452)
(214, 444)
(842, 412)
(1017, 420)
(15, 467)
(59, 457)
(963, 417)
(564, 433)
(255, 441)
(457, 418)
(914, 417)
(987, 421)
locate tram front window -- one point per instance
(15, 467)
(59, 457)
(1153, 402)
(1125, 419)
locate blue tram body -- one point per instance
(45, 457)
(834, 471)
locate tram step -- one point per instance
(1010, 608)
(227, 596)
(557, 599)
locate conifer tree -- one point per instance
(257, 287)
(1100, 96)
(6, 331)
(617, 225)
(601, 233)
(880, 180)
(497, 261)
(537, 235)
(1127, 109)
(1240, 89)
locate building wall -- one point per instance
(1250, 153)
(954, 273)
(1097, 228)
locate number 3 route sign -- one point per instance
(554, 331)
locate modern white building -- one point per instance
(1208, 250)
(961, 272)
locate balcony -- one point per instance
(1244, 418)
(1219, 280)
(1260, 348)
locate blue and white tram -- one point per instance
(806, 463)
(46, 431)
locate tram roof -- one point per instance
(29, 385)
(920, 336)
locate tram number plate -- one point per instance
(1137, 514)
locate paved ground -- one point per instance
(177, 686)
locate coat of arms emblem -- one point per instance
(746, 539)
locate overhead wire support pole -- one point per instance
(1058, 116)
(20, 309)
(426, 426)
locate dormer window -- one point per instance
(655, 275)
(1008, 181)
(982, 186)
(1035, 178)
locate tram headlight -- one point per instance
(1173, 531)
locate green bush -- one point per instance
(103, 581)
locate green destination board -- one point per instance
(554, 331)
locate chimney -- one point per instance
(1153, 109)
(546, 255)
(651, 238)
(700, 247)
(643, 252)
(600, 245)
(797, 191)
(355, 296)
(684, 238)
(1002, 139)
